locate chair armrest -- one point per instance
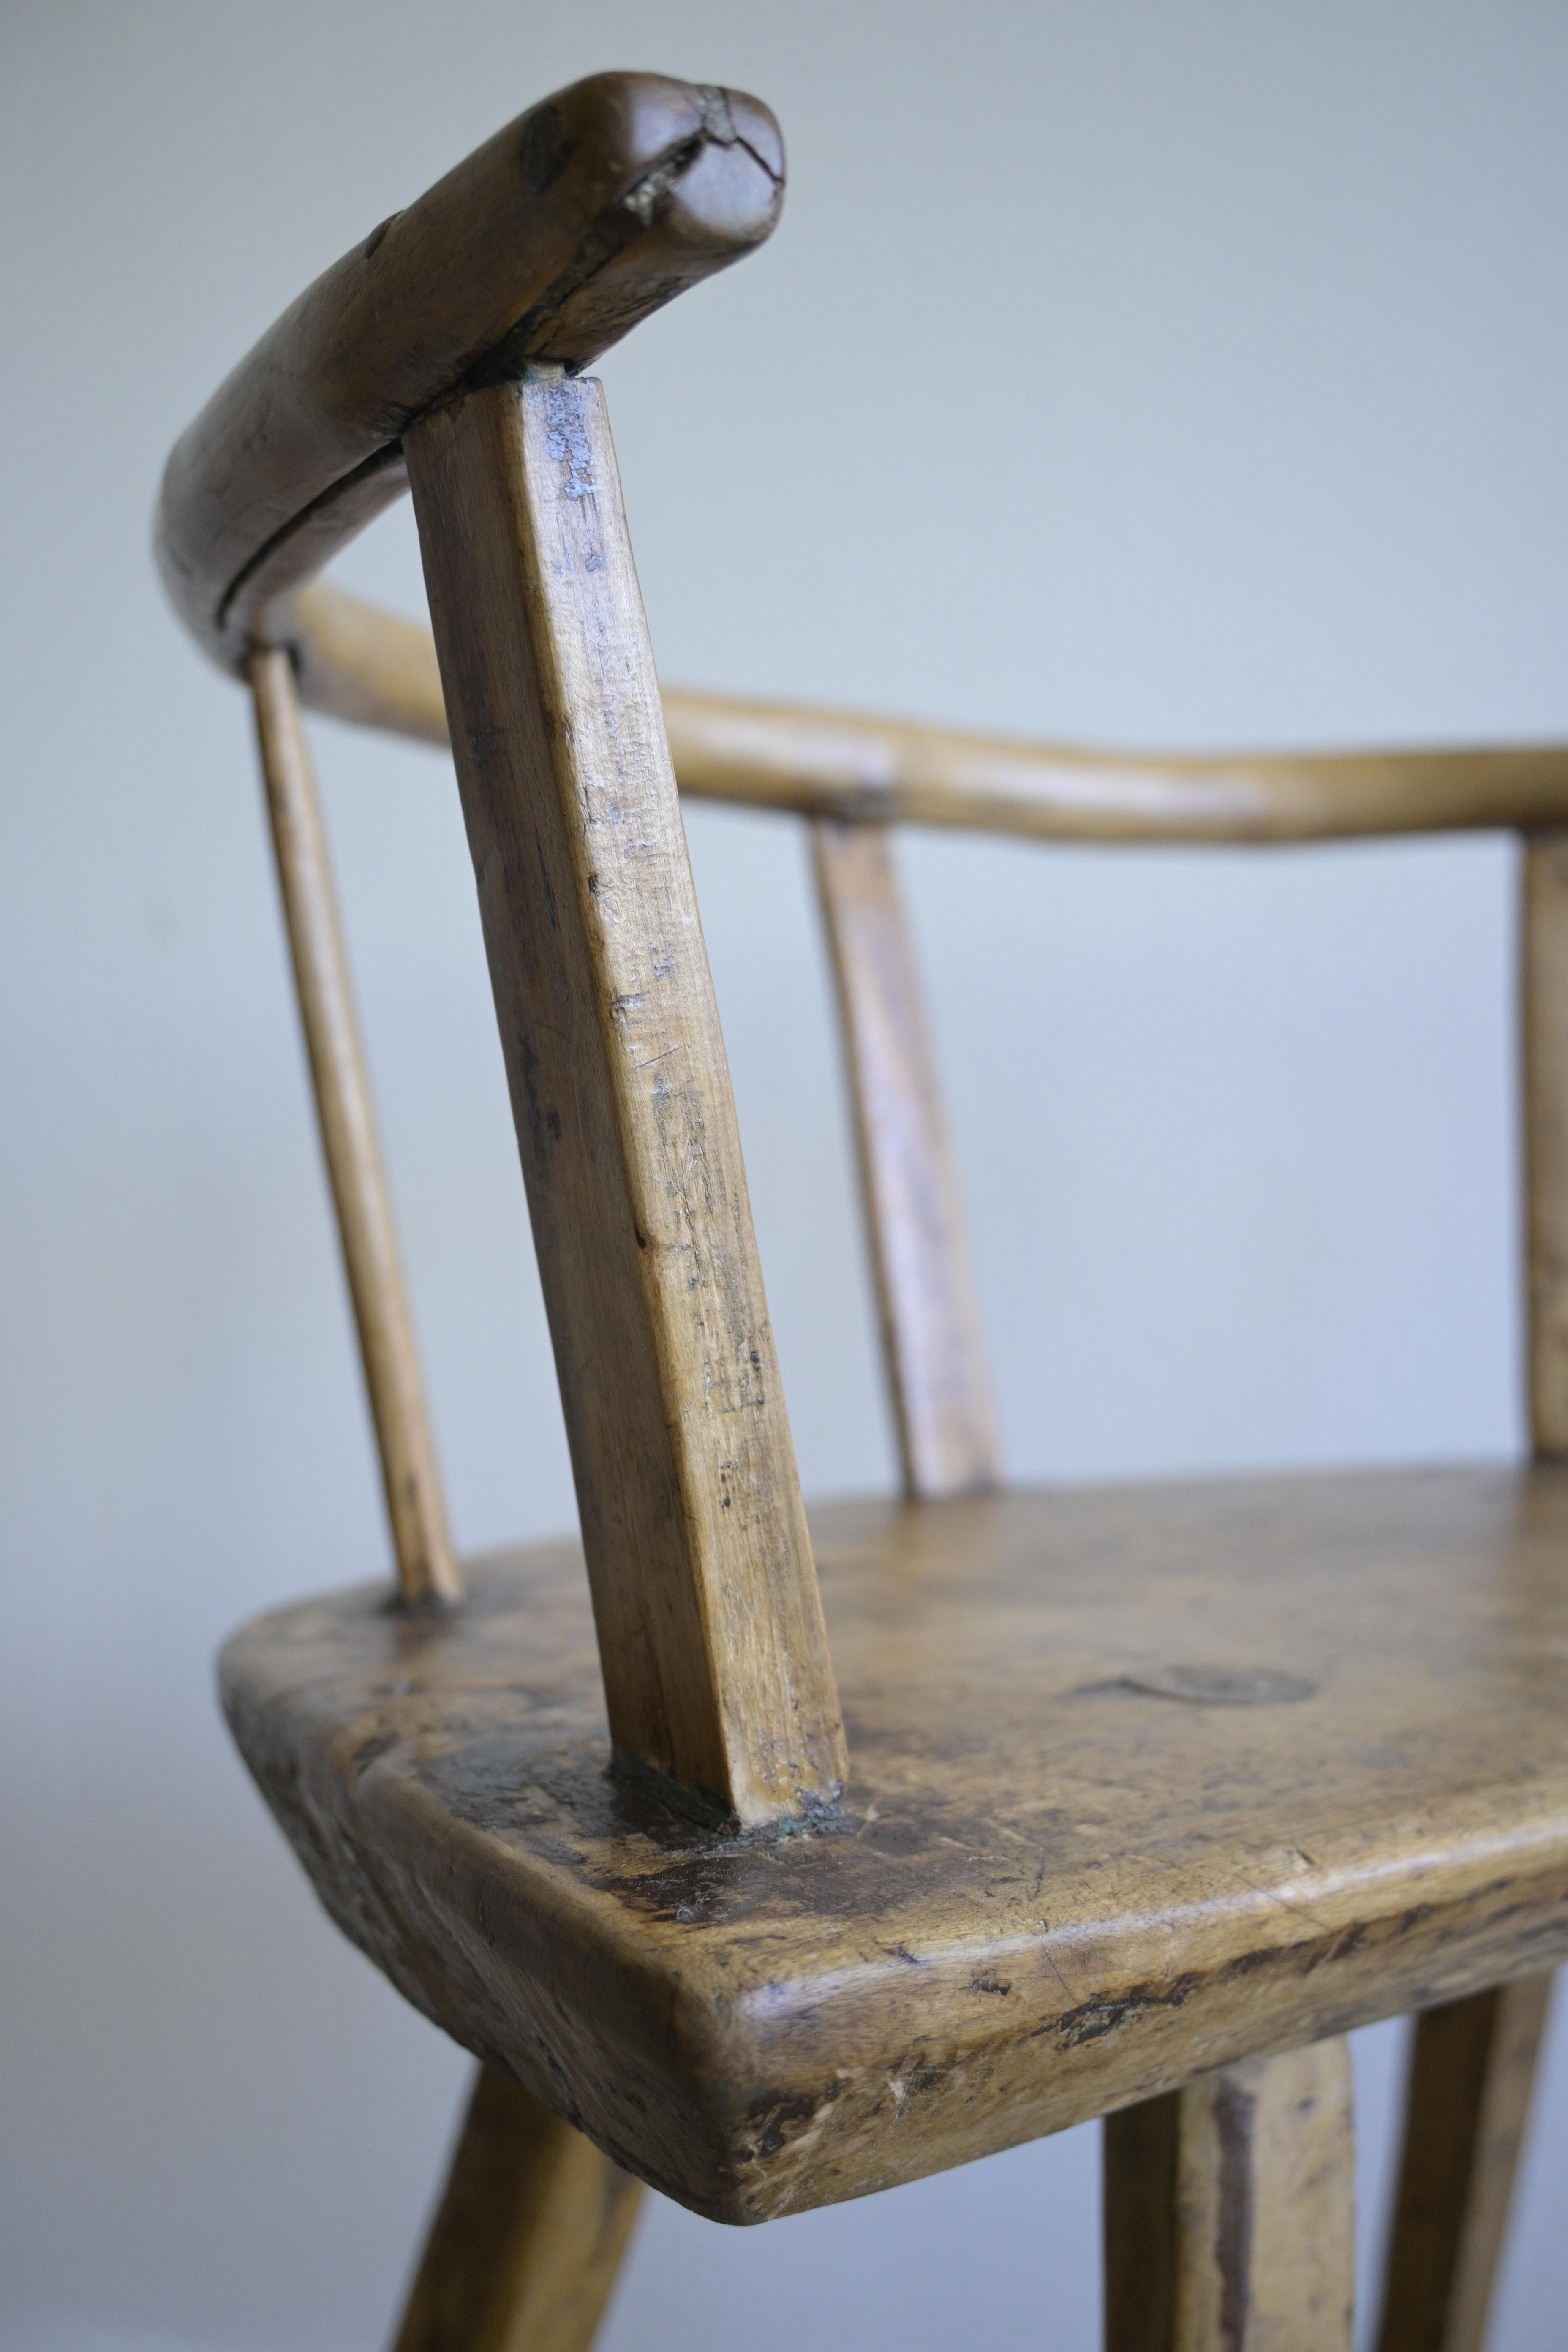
(548, 243)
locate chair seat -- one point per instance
(1144, 1780)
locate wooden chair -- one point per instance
(1148, 1796)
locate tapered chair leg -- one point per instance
(1230, 2211)
(1472, 2068)
(527, 2238)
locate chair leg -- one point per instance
(527, 2238)
(1472, 2067)
(1230, 2211)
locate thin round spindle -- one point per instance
(426, 1569)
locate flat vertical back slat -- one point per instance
(528, 2237)
(1230, 2211)
(926, 1298)
(427, 1571)
(711, 1632)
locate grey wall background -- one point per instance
(1144, 373)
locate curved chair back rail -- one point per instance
(380, 670)
(547, 244)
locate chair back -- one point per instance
(445, 355)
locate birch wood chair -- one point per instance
(1148, 1795)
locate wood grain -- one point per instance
(426, 1569)
(711, 1630)
(930, 1315)
(1472, 2068)
(527, 2238)
(1230, 2211)
(1060, 1891)
(368, 667)
(1077, 1872)
(548, 242)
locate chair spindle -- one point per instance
(427, 1568)
(928, 1312)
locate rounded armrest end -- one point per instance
(548, 243)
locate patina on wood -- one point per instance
(550, 241)
(1230, 2211)
(528, 2236)
(1060, 1891)
(1071, 1874)
(710, 1634)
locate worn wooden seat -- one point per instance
(1082, 1849)
(774, 1863)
